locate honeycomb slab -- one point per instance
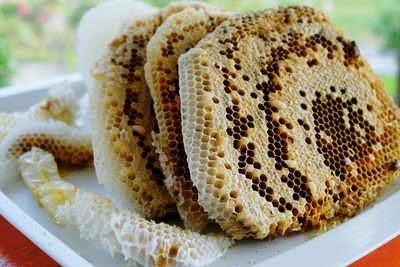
(180, 32)
(285, 125)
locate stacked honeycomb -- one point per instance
(285, 126)
(126, 162)
(267, 122)
(180, 32)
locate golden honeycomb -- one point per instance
(123, 119)
(285, 125)
(61, 104)
(64, 152)
(71, 146)
(180, 32)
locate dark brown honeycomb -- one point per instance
(65, 152)
(295, 130)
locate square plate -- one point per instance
(337, 247)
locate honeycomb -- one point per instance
(60, 104)
(285, 125)
(7, 122)
(126, 162)
(119, 231)
(180, 32)
(70, 146)
(40, 173)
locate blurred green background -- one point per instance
(37, 36)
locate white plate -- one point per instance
(337, 247)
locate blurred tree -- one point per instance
(43, 31)
(389, 28)
(78, 12)
(8, 9)
(389, 24)
(5, 54)
(157, 3)
(5, 68)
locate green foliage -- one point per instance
(5, 53)
(157, 3)
(8, 9)
(23, 36)
(390, 84)
(70, 58)
(389, 24)
(5, 69)
(77, 13)
(20, 32)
